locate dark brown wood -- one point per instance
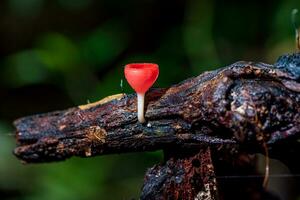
(244, 107)
(244, 103)
(188, 177)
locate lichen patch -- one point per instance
(96, 133)
(88, 152)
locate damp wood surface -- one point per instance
(188, 177)
(208, 126)
(238, 107)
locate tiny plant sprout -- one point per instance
(121, 86)
(141, 77)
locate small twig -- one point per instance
(267, 168)
(296, 28)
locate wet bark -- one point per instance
(191, 176)
(243, 107)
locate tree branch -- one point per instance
(240, 106)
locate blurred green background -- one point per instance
(57, 54)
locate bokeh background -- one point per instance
(56, 54)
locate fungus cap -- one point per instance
(141, 76)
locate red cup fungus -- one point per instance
(141, 77)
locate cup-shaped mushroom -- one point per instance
(141, 76)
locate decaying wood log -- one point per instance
(242, 107)
(245, 103)
(188, 177)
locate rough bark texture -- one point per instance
(188, 177)
(240, 108)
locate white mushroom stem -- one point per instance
(140, 104)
